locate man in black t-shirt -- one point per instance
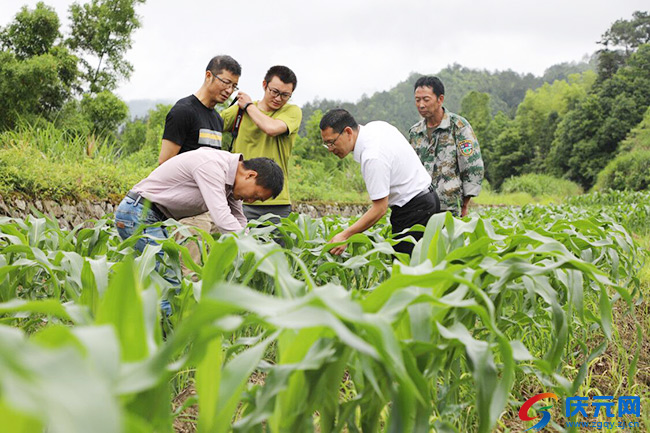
(192, 122)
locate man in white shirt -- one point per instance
(391, 169)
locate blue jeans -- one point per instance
(128, 217)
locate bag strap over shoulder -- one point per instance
(236, 125)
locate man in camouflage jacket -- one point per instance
(447, 146)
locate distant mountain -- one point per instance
(140, 107)
(506, 89)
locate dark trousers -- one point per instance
(253, 212)
(416, 211)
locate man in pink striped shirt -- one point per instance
(193, 183)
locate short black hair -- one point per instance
(285, 75)
(338, 119)
(433, 82)
(269, 174)
(218, 63)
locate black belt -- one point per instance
(423, 193)
(147, 203)
(427, 191)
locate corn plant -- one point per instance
(372, 341)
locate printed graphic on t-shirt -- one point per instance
(210, 138)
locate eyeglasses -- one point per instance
(275, 93)
(226, 83)
(330, 144)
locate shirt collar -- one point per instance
(359, 145)
(445, 123)
(232, 168)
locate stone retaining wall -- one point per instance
(70, 214)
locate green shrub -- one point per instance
(145, 133)
(29, 172)
(541, 185)
(312, 180)
(628, 171)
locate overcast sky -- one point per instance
(341, 49)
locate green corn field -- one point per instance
(489, 311)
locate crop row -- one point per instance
(369, 342)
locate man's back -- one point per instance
(381, 141)
(191, 183)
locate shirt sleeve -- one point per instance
(292, 117)
(177, 124)
(228, 115)
(237, 210)
(376, 174)
(212, 184)
(470, 162)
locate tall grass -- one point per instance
(60, 145)
(44, 162)
(538, 185)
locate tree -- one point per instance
(588, 137)
(37, 76)
(33, 32)
(144, 133)
(105, 111)
(525, 147)
(507, 157)
(36, 86)
(475, 107)
(101, 32)
(628, 35)
(620, 41)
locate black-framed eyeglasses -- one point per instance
(275, 93)
(226, 83)
(330, 144)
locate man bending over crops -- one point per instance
(191, 184)
(391, 169)
(192, 123)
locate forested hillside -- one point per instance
(568, 123)
(506, 89)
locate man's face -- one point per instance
(339, 144)
(222, 85)
(427, 102)
(276, 93)
(248, 190)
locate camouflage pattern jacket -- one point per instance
(452, 158)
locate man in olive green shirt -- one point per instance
(268, 128)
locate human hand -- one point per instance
(243, 99)
(338, 250)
